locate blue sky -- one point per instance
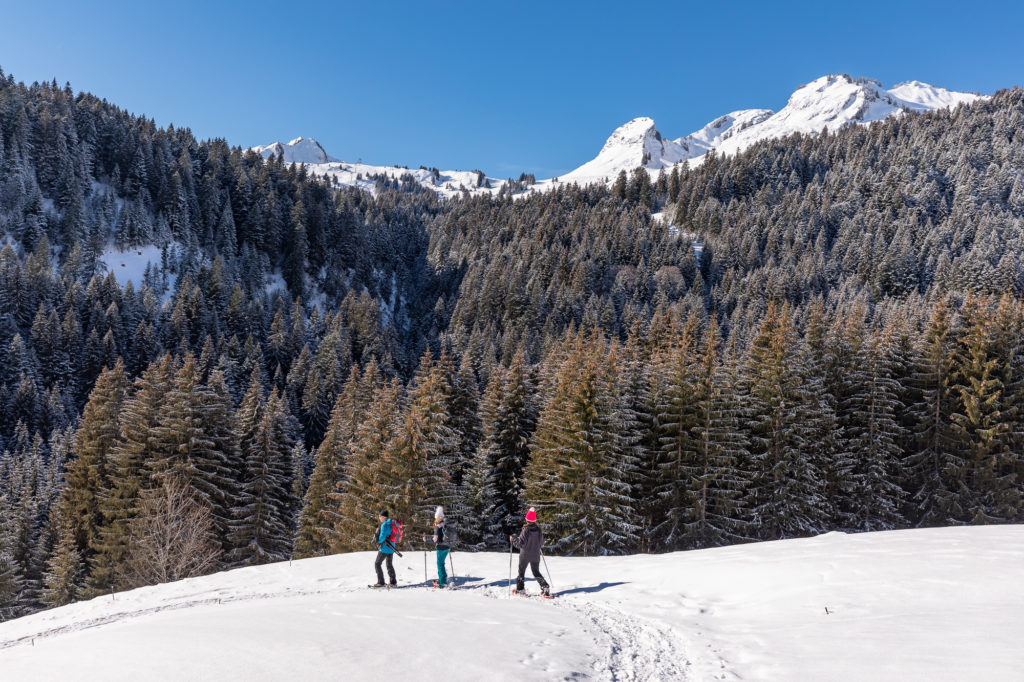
(501, 86)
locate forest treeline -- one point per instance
(821, 333)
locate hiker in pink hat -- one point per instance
(529, 542)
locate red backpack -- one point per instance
(396, 532)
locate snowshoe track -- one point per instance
(633, 649)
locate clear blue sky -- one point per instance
(501, 86)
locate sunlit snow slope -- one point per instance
(827, 102)
(940, 604)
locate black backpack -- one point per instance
(451, 534)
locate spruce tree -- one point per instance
(677, 466)
(424, 452)
(720, 449)
(62, 582)
(935, 443)
(784, 493)
(195, 441)
(508, 420)
(874, 498)
(368, 484)
(317, 518)
(576, 476)
(129, 471)
(261, 530)
(94, 442)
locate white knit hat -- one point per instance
(439, 513)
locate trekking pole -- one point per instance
(452, 561)
(425, 579)
(547, 570)
(510, 568)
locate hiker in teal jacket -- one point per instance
(441, 542)
(385, 552)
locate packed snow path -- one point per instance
(943, 604)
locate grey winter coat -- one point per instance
(529, 542)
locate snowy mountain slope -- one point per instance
(937, 604)
(830, 101)
(308, 151)
(722, 128)
(835, 101)
(632, 145)
(923, 97)
(445, 183)
(300, 150)
(827, 102)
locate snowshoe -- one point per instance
(377, 586)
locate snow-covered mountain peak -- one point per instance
(300, 150)
(634, 144)
(837, 100)
(831, 102)
(722, 128)
(638, 131)
(923, 96)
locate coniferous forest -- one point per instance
(821, 333)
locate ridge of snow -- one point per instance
(927, 604)
(722, 128)
(924, 97)
(300, 150)
(831, 102)
(634, 144)
(838, 100)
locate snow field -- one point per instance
(937, 604)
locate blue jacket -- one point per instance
(382, 536)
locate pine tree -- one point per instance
(508, 420)
(874, 498)
(979, 490)
(935, 442)
(88, 473)
(720, 448)
(129, 471)
(262, 530)
(784, 494)
(64, 570)
(195, 441)
(318, 516)
(367, 486)
(676, 465)
(423, 454)
(576, 475)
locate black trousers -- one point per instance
(535, 567)
(381, 557)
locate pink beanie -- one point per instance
(531, 515)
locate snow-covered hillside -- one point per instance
(634, 144)
(939, 604)
(828, 102)
(300, 150)
(835, 101)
